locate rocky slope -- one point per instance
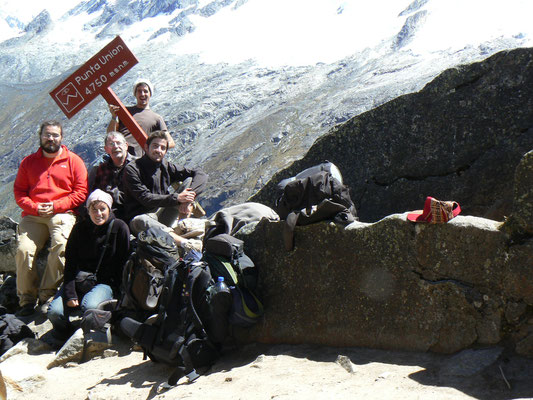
(459, 138)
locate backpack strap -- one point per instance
(189, 335)
(181, 370)
(172, 276)
(325, 210)
(288, 229)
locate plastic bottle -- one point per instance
(220, 306)
(221, 286)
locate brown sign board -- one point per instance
(94, 77)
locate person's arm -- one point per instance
(171, 143)
(187, 244)
(72, 263)
(134, 185)
(122, 252)
(163, 127)
(190, 228)
(79, 189)
(21, 190)
(114, 123)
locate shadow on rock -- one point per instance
(481, 373)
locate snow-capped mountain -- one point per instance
(245, 86)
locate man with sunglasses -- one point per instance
(50, 185)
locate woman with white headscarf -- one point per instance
(99, 245)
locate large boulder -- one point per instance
(521, 221)
(8, 294)
(392, 284)
(396, 284)
(459, 138)
(8, 239)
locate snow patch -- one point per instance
(137, 35)
(296, 32)
(27, 12)
(69, 30)
(455, 24)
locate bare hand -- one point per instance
(187, 196)
(113, 110)
(73, 303)
(45, 209)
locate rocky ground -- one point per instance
(256, 371)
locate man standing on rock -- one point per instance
(50, 184)
(146, 186)
(148, 120)
(107, 176)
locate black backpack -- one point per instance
(225, 256)
(12, 330)
(315, 194)
(144, 273)
(189, 324)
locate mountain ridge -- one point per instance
(240, 121)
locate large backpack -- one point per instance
(315, 194)
(225, 256)
(188, 327)
(144, 272)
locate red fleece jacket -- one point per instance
(63, 181)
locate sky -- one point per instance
(303, 32)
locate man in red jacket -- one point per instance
(51, 183)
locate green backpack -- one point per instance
(225, 256)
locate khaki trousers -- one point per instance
(33, 232)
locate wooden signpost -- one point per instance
(94, 78)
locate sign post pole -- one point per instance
(95, 78)
(123, 114)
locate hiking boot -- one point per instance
(26, 310)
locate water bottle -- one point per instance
(220, 302)
(221, 286)
(221, 298)
(218, 289)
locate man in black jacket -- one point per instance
(146, 185)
